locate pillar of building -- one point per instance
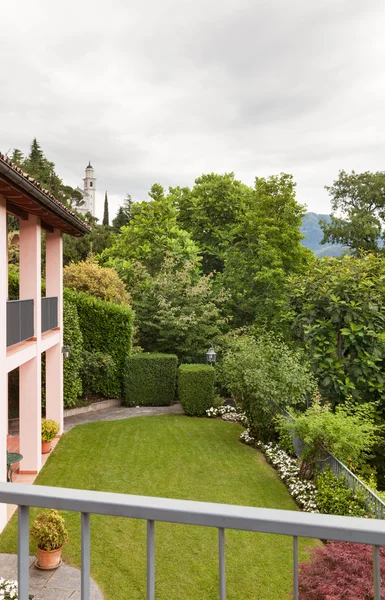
(30, 372)
(3, 352)
(54, 356)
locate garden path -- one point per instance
(60, 584)
(120, 412)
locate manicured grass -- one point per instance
(176, 457)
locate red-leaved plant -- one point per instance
(342, 571)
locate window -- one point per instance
(90, 183)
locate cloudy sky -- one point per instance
(164, 90)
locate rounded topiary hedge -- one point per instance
(196, 388)
(150, 379)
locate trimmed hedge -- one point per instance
(106, 327)
(196, 388)
(150, 379)
(72, 337)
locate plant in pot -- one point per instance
(49, 429)
(50, 534)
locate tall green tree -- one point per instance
(152, 234)
(265, 251)
(209, 212)
(358, 211)
(179, 311)
(106, 219)
(17, 157)
(124, 215)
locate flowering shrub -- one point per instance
(304, 492)
(219, 411)
(340, 571)
(246, 438)
(228, 413)
(8, 589)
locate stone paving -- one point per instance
(61, 584)
(121, 412)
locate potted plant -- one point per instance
(49, 429)
(49, 533)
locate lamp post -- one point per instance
(211, 357)
(66, 351)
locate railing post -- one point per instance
(86, 557)
(295, 567)
(23, 552)
(222, 568)
(150, 560)
(376, 573)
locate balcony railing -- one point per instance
(220, 516)
(49, 313)
(20, 321)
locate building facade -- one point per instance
(32, 324)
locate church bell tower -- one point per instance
(89, 190)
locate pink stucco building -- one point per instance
(31, 325)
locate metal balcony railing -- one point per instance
(220, 516)
(20, 321)
(49, 313)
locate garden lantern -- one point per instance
(66, 351)
(211, 357)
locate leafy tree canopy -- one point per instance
(358, 211)
(339, 314)
(152, 234)
(265, 250)
(178, 310)
(209, 212)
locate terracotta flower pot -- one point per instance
(46, 447)
(49, 559)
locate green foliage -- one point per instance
(101, 282)
(339, 316)
(264, 376)
(77, 249)
(106, 218)
(209, 212)
(106, 327)
(49, 530)
(152, 234)
(72, 337)
(196, 388)
(349, 433)
(124, 215)
(359, 201)
(13, 284)
(334, 498)
(150, 379)
(98, 370)
(266, 249)
(285, 437)
(49, 429)
(179, 311)
(40, 168)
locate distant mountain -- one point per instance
(314, 234)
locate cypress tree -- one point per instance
(106, 220)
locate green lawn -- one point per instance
(176, 457)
